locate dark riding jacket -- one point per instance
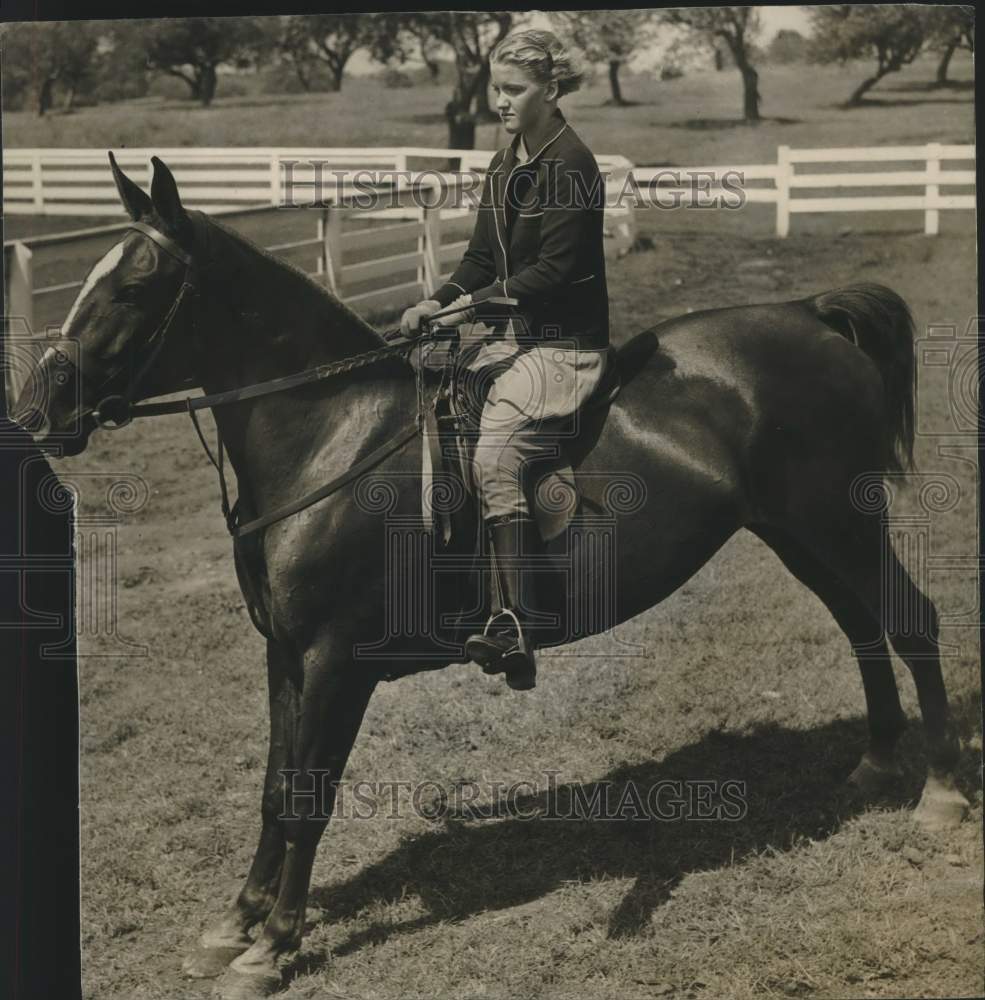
(538, 239)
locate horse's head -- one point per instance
(129, 324)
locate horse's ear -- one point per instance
(135, 200)
(164, 194)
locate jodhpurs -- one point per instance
(523, 416)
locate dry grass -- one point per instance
(690, 121)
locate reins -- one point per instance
(191, 404)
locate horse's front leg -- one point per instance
(227, 937)
(335, 694)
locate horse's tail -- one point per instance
(879, 322)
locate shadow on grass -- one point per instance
(927, 86)
(702, 124)
(900, 102)
(795, 788)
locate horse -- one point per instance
(777, 418)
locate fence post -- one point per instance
(932, 216)
(429, 249)
(784, 170)
(274, 179)
(330, 231)
(19, 305)
(37, 187)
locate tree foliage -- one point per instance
(308, 41)
(471, 36)
(734, 27)
(607, 36)
(193, 48)
(950, 29)
(41, 58)
(891, 34)
(788, 46)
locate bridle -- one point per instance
(157, 340)
(127, 410)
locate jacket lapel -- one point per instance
(502, 212)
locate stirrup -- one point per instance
(515, 660)
(489, 659)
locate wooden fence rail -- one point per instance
(408, 259)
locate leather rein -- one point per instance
(191, 404)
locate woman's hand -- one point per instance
(410, 322)
(468, 315)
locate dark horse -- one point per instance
(778, 418)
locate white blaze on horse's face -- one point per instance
(102, 269)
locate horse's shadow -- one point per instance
(794, 788)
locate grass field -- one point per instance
(740, 674)
(690, 121)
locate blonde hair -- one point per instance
(542, 56)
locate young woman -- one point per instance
(538, 240)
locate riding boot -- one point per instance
(504, 646)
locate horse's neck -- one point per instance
(264, 320)
(269, 319)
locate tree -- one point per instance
(737, 28)
(193, 48)
(471, 37)
(38, 57)
(329, 39)
(788, 46)
(607, 36)
(891, 34)
(950, 29)
(426, 44)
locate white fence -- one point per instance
(248, 181)
(79, 182)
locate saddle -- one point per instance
(450, 496)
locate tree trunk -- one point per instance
(719, 60)
(433, 68)
(945, 62)
(301, 72)
(461, 126)
(863, 88)
(338, 71)
(69, 101)
(482, 110)
(614, 86)
(45, 95)
(750, 94)
(207, 84)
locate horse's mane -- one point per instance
(335, 306)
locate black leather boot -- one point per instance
(504, 646)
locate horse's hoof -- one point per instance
(207, 963)
(942, 806)
(235, 985)
(872, 778)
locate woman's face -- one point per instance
(520, 101)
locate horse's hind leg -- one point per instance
(885, 714)
(227, 937)
(941, 804)
(855, 547)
